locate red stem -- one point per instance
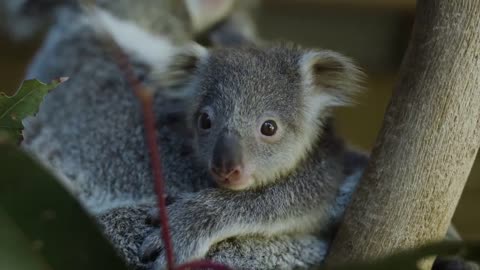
(157, 172)
(202, 265)
(146, 99)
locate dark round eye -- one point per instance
(269, 128)
(204, 121)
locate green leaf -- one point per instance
(25, 102)
(408, 259)
(15, 245)
(42, 225)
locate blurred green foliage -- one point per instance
(42, 226)
(409, 259)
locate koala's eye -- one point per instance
(269, 128)
(204, 121)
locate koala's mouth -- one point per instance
(236, 179)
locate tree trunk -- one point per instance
(428, 142)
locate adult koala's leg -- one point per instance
(126, 229)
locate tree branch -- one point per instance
(428, 142)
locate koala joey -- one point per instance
(261, 124)
(285, 177)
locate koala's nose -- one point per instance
(227, 157)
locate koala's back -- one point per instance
(90, 129)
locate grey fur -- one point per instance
(291, 200)
(306, 196)
(89, 131)
(22, 19)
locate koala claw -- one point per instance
(153, 219)
(151, 248)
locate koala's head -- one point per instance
(258, 112)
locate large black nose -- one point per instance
(227, 156)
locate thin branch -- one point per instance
(145, 96)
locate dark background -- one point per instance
(374, 33)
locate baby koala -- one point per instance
(262, 125)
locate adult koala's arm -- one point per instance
(125, 227)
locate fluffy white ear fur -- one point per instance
(331, 75)
(330, 80)
(154, 50)
(172, 65)
(204, 13)
(179, 75)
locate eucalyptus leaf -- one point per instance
(25, 102)
(44, 216)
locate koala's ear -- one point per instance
(180, 72)
(331, 76)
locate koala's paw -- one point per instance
(191, 236)
(187, 247)
(153, 218)
(151, 247)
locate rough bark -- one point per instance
(428, 142)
